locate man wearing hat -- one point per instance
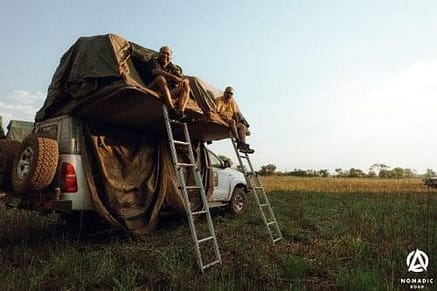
(228, 111)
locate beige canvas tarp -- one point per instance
(133, 175)
(124, 143)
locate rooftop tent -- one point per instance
(97, 79)
(18, 130)
(124, 143)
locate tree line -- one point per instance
(375, 171)
(378, 170)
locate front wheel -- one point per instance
(238, 200)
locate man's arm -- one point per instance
(157, 72)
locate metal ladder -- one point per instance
(255, 186)
(178, 166)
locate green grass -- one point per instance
(331, 241)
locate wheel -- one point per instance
(35, 165)
(8, 150)
(238, 200)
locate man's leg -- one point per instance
(182, 93)
(233, 128)
(244, 148)
(160, 83)
(242, 132)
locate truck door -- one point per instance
(221, 180)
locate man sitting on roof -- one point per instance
(228, 111)
(162, 75)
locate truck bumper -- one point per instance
(43, 202)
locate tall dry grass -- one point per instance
(343, 185)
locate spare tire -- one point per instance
(8, 150)
(35, 165)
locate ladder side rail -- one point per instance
(263, 215)
(198, 179)
(258, 185)
(267, 201)
(182, 187)
(273, 216)
(243, 168)
(249, 182)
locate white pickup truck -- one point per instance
(52, 156)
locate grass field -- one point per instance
(338, 234)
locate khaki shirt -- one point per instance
(226, 109)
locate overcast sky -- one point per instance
(324, 84)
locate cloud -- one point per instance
(20, 105)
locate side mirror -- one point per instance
(226, 164)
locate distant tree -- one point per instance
(384, 174)
(267, 170)
(323, 173)
(297, 173)
(377, 168)
(339, 172)
(311, 173)
(356, 173)
(397, 173)
(371, 174)
(429, 173)
(409, 173)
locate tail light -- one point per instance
(68, 176)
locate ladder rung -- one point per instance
(205, 239)
(181, 142)
(199, 212)
(243, 157)
(277, 239)
(186, 165)
(175, 121)
(270, 223)
(211, 264)
(264, 205)
(193, 187)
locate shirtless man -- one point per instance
(162, 75)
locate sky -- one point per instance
(323, 84)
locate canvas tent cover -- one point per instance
(97, 79)
(124, 146)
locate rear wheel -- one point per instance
(238, 200)
(35, 165)
(8, 150)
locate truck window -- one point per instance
(215, 161)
